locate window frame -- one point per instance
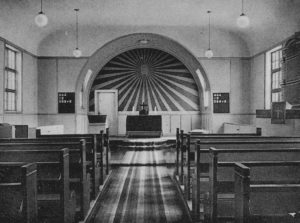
(274, 71)
(268, 76)
(17, 71)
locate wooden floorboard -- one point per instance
(141, 194)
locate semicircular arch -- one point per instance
(136, 41)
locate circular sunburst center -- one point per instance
(145, 70)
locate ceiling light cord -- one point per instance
(209, 53)
(76, 10)
(41, 6)
(242, 7)
(208, 29)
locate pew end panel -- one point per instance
(18, 193)
(242, 190)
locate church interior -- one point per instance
(150, 111)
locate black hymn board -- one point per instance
(221, 102)
(66, 102)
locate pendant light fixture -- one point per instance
(243, 20)
(209, 53)
(41, 19)
(77, 52)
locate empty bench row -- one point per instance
(195, 163)
(87, 169)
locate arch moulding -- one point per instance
(134, 41)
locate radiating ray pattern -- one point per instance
(151, 76)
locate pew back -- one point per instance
(18, 192)
(101, 142)
(224, 142)
(53, 181)
(79, 178)
(239, 149)
(263, 201)
(268, 165)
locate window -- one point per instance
(12, 81)
(273, 80)
(276, 76)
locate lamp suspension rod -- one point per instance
(76, 10)
(209, 28)
(41, 5)
(242, 6)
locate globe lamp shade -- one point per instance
(209, 53)
(41, 19)
(77, 53)
(243, 21)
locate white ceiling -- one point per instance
(103, 20)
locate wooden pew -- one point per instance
(258, 201)
(176, 172)
(79, 179)
(231, 142)
(101, 142)
(105, 157)
(55, 202)
(186, 145)
(18, 192)
(182, 159)
(194, 136)
(92, 144)
(217, 159)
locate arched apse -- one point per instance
(151, 76)
(112, 49)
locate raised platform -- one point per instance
(143, 134)
(142, 143)
(146, 151)
(123, 142)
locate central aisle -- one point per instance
(141, 194)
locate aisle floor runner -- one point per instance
(161, 156)
(143, 194)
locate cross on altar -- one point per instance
(143, 111)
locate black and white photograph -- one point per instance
(159, 111)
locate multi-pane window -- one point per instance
(12, 81)
(276, 76)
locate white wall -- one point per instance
(257, 83)
(230, 75)
(56, 75)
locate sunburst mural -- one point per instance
(150, 76)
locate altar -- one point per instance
(146, 126)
